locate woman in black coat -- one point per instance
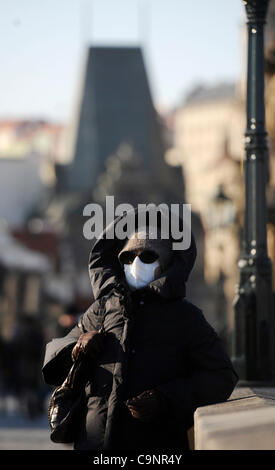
(152, 358)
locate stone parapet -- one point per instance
(246, 421)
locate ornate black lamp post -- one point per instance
(254, 319)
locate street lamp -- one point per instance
(253, 347)
(222, 212)
(220, 221)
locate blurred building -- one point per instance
(209, 144)
(208, 137)
(27, 155)
(21, 281)
(270, 124)
(208, 128)
(28, 249)
(115, 107)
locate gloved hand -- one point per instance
(146, 407)
(91, 343)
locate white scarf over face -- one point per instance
(139, 274)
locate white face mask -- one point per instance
(139, 274)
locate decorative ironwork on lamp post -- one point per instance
(253, 347)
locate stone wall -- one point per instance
(245, 422)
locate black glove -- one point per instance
(90, 343)
(147, 406)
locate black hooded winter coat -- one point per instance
(156, 339)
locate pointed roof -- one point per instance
(115, 107)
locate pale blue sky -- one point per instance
(43, 43)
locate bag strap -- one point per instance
(70, 380)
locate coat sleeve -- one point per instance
(211, 379)
(57, 360)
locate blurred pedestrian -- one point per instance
(68, 319)
(28, 345)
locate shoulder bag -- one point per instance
(66, 406)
